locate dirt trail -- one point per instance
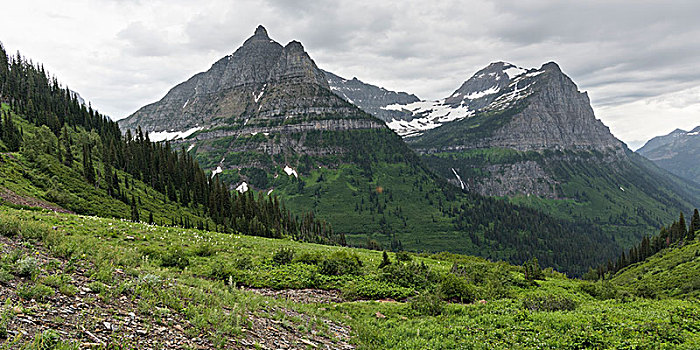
(16, 199)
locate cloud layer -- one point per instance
(639, 60)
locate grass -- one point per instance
(554, 312)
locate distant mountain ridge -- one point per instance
(370, 98)
(530, 135)
(678, 152)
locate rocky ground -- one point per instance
(16, 199)
(77, 314)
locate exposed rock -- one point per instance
(370, 98)
(677, 152)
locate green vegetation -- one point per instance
(71, 157)
(443, 292)
(624, 198)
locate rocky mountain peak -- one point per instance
(236, 86)
(261, 32)
(551, 66)
(294, 46)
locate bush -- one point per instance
(283, 256)
(403, 256)
(5, 276)
(309, 258)
(600, 290)
(37, 292)
(369, 288)
(204, 250)
(428, 304)
(174, 257)
(243, 263)
(456, 288)
(341, 263)
(9, 227)
(410, 275)
(548, 302)
(27, 267)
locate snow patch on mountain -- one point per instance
(433, 114)
(157, 136)
(290, 171)
(218, 170)
(243, 187)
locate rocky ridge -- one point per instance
(370, 98)
(261, 99)
(677, 152)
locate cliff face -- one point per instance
(261, 82)
(251, 106)
(534, 110)
(530, 133)
(677, 152)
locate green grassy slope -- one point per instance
(194, 274)
(672, 272)
(626, 198)
(34, 173)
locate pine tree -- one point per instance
(682, 227)
(385, 260)
(694, 225)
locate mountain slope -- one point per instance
(370, 98)
(677, 152)
(671, 272)
(272, 124)
(534, 138)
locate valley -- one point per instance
(267, 203)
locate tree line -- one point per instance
(678, 233)
(40, 99)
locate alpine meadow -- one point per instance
(269, 202)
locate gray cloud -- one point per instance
(627, 54)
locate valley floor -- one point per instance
(70, 282)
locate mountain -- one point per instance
(62, 155)
(475, 93)
(265, 119)
(532, 136)
(370, 98)
(677, 152)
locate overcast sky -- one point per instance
(639, 60)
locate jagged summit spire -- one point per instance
(261, 32)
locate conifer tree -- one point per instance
(694, 225)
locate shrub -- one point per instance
(47, 340)
(243, 263)
(428, 304)
(385, 260)
(38, 292)
(341, 263)
(204, 250)
(600, 290)
(68, 289)
(174, 257)
(369, 288)
(283, 256)
(548, 302)
(309, 258)
(456, 288)
(27, 267)
(403, 256)
(410, 275)
(5, 276)
(9, 227)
